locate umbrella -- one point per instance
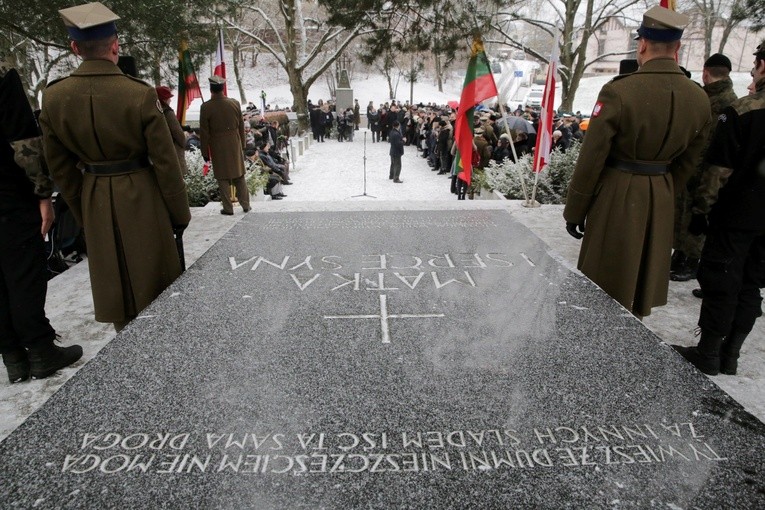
(516, 123)
(453, 104)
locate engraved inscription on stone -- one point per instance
(384, 316)
(274, 453)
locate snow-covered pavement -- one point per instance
(329, 176)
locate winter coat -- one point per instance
(706, 183)
(374, 121)
(396, 140)
(654, 115)
(222, 129)
(736, 150)
(128, 218)
(179, 138)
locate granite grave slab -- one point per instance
(386, 359)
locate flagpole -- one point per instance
(515, 154)
(544, 130)
(512, 144)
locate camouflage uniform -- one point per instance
(702, 187)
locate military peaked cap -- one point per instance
(89, 22)
(663, 25)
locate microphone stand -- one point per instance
(364, 194)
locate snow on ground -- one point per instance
(330, 176)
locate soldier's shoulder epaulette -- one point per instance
(57, 80)
(138, 80)
(621, 77)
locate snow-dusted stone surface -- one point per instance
(385, 359)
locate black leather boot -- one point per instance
(686, 272)
(677, 260)
(706, 355)
(45, 360)
(729, 352)
(17, 365)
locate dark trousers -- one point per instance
(731, 274)
(395, 167)
(242, 193)
(446, 161)
(23, 282)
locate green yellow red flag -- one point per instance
(188, 85)
(479, 86)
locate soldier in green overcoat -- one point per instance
(643, 143)
(222, 134)
(110, 153)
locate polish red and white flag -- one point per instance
(220, 64)
(545, 128)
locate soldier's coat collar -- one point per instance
(660, 65)
(719, 85)
(96, 67)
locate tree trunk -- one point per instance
(235, 55)
(299, 98)
(439, 73)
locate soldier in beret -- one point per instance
(643, 142)
(222, 128)
(701, 190)
(26, 215)
(110, 152)
(732, 267)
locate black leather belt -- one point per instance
(122, 167)
(638, 168)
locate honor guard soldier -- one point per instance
(643, 142)
(701, 190)
(110, 152)
(222, 128)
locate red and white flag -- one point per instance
(220, 64)
(545, 129)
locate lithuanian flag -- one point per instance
(479, 86)
(188, 85)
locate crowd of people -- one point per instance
(431, 128)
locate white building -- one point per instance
(616, 40)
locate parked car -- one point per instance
(534, 97)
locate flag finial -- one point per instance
(477, 46)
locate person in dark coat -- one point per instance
(373, 120)
(179, 137)
(385, 123)
(317, 123)
(702, 187)
(396, 140)
(503, 150)
(629, 172)
(26, 215)
(444, 142)
(356, 115)
(131, 197)
(732, 267)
